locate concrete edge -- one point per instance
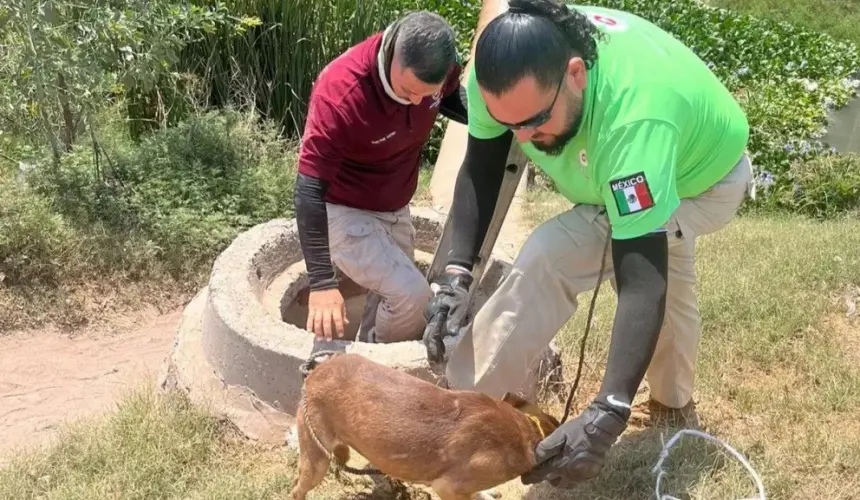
(186, 369)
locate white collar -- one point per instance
(380, 63)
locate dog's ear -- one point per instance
(514, 400)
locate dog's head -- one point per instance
(548, 424)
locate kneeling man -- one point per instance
(371, 112)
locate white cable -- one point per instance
(665, 454)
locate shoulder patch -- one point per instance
(632, 194)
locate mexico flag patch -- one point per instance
(632, 194)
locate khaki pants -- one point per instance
(376, 250)
(560, 260)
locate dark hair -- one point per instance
(534, 37)
(426, 45)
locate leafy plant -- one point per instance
(62, 62)
(182, 193)
(33, 238)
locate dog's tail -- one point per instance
(315, 359)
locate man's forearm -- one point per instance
(641, 275)
(312, 221)
(475, 194)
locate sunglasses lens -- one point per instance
(534, 122)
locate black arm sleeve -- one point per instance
(454, 106)
(641, 273)
(475, 196)
(312, 221)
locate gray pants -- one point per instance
(560, 260)
(376, 250)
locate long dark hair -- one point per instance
(534, 37)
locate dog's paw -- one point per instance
(490, 494)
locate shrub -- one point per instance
(140, 223)
(180, 195)
(34, 240)
(825, 187)
(62, 62)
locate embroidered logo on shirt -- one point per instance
(632, 194)
(608, 23)
(383, 139)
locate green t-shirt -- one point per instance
(658, 126)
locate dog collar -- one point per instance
(537, 424)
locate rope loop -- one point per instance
(664, 454)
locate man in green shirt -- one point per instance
(649, 146)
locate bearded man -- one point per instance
(650, 147)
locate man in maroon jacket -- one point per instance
(370, 114)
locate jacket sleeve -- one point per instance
(641, 274)
(320, 159)
(475, 194)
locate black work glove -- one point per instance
(446, 312)
(577, 450)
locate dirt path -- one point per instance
(48, 377)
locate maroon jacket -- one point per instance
(362, 142)
(361, 148)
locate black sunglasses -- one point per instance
(538, 119)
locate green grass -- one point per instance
(777, 367)
(158, 446)
(422, 193)
(152, 446)
(840, 18)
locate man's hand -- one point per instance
(577, 450)
(446, 311)
(325, 307)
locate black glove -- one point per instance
(446, 312)
(577, 450)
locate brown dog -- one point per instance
(460, 443)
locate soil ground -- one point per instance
(49, 376)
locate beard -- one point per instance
(573, 120)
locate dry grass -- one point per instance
(160, 446)
(72, 306)
(778, 377)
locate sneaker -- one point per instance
(654, 414)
